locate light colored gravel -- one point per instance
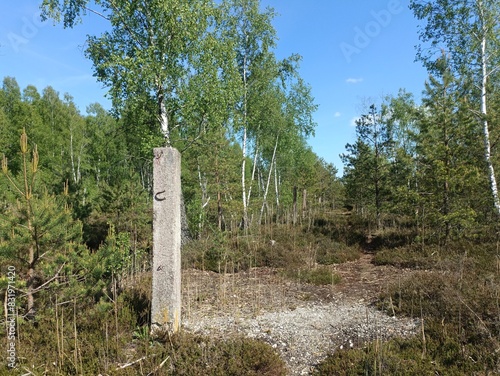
(305, 335)
(302, 324)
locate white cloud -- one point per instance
(354, 80)
(337, 114)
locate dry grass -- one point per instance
(456, 295)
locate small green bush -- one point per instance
(400, 357)
(455, 294)
(316, 276)
(193, 355)
(331, 252)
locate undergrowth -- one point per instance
(454, 293)
(300, 253)
(83, 338)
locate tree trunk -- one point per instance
(486, 131)
(244, 145)
(294, 219)
(304, 202)
(32, 254)
(219, 195)
(72, 157)
(163, 118)
(205, 199)
(253, 174)
(243, 173)
(446, 186)
(264, 202)
(276, 185)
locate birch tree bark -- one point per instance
(484, 108)
(467, 31)
(269, 174)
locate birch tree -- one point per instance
(254, 37)
(155, 48)
(468, 32)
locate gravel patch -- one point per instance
(303, 323)
(306, 335)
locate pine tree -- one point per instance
(369, 160)
(37, 231)
(447, 158)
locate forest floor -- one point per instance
(303, 322)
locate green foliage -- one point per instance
(81, 337)
(402, 357)
(37, 231)
(115, 253)
(204, 77)
(469, 34)
(367, 164)
(316, 276)
(455, 299)
(294, 251)
(234, 356)
(178, 66)
(202, 85)
(448, 160)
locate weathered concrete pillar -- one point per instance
(166, 297)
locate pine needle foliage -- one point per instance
(37, 232)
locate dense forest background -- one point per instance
(76, 187)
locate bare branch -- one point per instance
(49, 281)
(97, 13)
(132, 363)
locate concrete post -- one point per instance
(166, 297)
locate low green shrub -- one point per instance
(85, 338)
(281, 246)
(455, 295)
(331, 252)
(401, 357)
(194, 355)
(321, 275)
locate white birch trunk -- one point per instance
(486, 131)
(264, 202)
(71, 156)
(243, 170)
(163, 118)
(253, 174)
(205, 199)
(276, 186)
(79, 164)
(244, 147)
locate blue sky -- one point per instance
(354, 53)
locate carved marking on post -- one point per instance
(158, 154)
(158, 198)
